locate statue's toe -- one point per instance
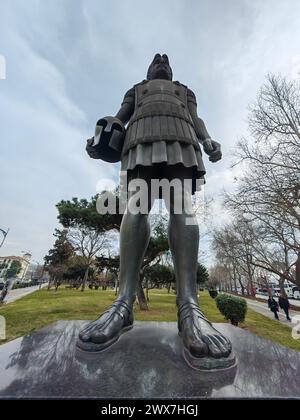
(98, 338)
(216, 348)
(215, 351)
(84, 336)
(225, 345)
(198, 348)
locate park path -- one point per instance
(16, 294)
(262, 308)
(292, 301)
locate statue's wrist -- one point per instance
(203, 140)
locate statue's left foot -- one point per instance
(201, 339)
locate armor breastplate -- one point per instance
(161, 113)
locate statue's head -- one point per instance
(160, 68)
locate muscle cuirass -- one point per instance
(160, 113)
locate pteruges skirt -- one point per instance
(164, 153)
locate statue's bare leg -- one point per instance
(134, 239)
(200, 338)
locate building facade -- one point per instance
(6, 262)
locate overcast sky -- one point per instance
(69, 62)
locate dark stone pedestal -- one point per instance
(146, 362)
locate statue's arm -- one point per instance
(127, 108)
(211, 147)
(125, 112)
(200, 128)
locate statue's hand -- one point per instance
(212, 149)
(108, 140)
(91, 148)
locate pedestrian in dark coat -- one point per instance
(273, 305)
(284, 305)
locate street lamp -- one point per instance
(4, 235)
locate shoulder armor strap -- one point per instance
(141, 83)
(179, 84)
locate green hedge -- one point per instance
(233, 308)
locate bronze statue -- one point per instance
(160, 141)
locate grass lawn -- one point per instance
(44, 307)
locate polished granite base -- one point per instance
(146, 362)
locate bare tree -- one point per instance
(268, 191)
(88, 243)
(234, 246)
(242, 248)
(220, 276)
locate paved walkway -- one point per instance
(263, 309)
(292, 301)
(16, 294)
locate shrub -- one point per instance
(233, 308)
(213, 293)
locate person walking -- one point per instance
(284, 305)
(273, 305)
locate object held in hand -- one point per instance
(108, 140)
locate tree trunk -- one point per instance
(252, 292)
(141, 297)
(147, 292)
(86, 274)
(281, 286)
(50, 281)
(250, 274)
(235, 286)
(234, 281)
(242, 286)
(116, 285)
(54, 283)
(57, 283)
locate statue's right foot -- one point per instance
(205, 348)
(199, 336)
(106, 330)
